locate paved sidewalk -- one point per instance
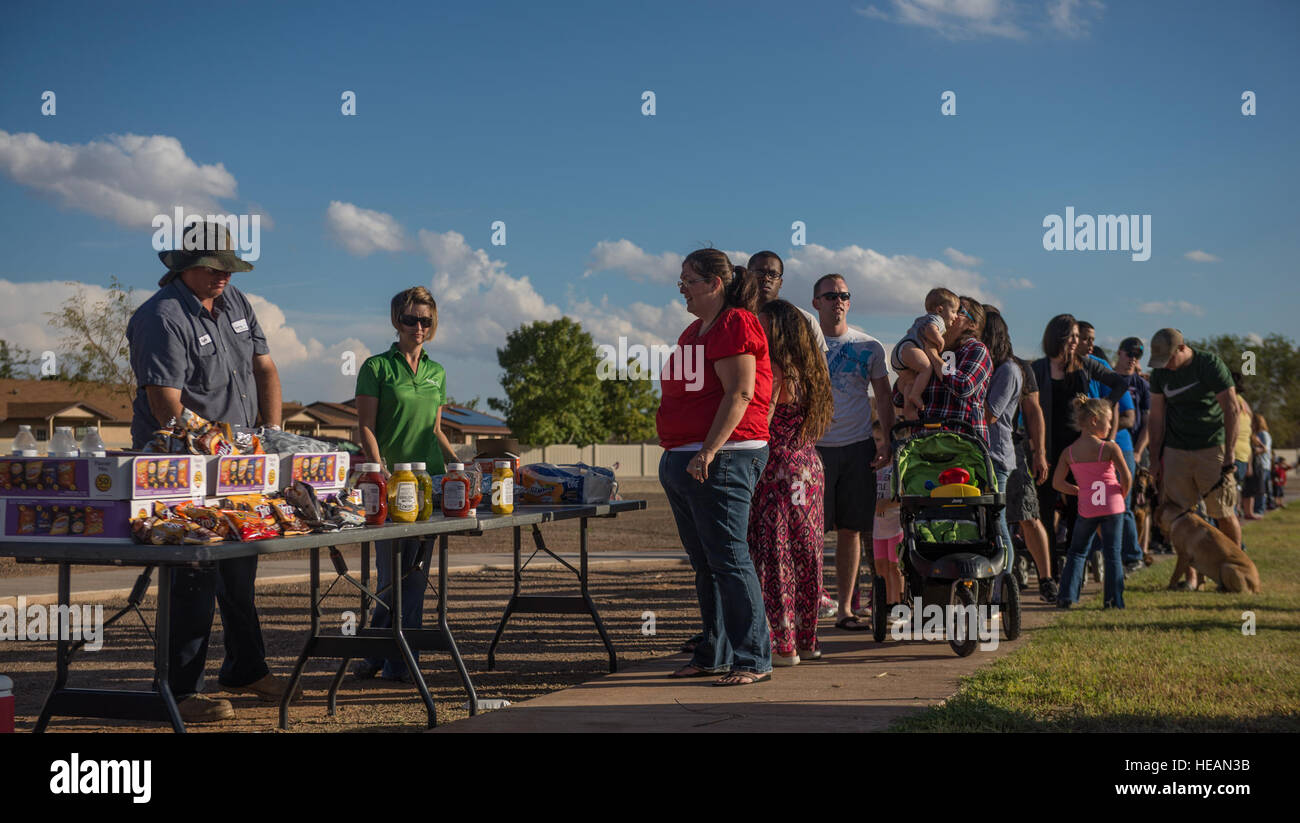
(857, 686)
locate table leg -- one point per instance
(445, 628)
(310, 645)
(586, 596)
(162, 650)
(61, 650)
(395, 574)
(332, 697)
(510, 605)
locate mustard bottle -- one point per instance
(503, 488)
(403, 495)
(425, 481)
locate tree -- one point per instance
(14, 361)
(1270, 371)
(94, 341)
(472, 405)
(552, 392)
(628, 409)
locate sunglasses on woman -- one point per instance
(412, 319)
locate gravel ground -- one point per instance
(537, 654)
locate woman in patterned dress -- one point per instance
(785, 521)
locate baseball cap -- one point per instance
(1163, 344)
(1132, 346)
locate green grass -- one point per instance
(1170, 661)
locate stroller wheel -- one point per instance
(878, 617)
(964, 642)
(1010, 608)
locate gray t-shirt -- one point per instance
(176, 343)
(1003, 401)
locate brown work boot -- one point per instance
(269, 689)
(199, 708)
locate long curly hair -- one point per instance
(792, 348)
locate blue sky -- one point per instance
(827, 113)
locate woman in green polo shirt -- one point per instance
(400, 394)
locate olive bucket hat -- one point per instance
(204, 244)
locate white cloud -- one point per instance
(1198, 256)
(882, 284)
(1016, 283)
(23, 308)
(1171, 307)
(954, 19)
(479, 303)
(125, 178)
(363, 231)
(640, 323)
(961, 259)
(1255, 338)
(968, 19)
(625, 256)
(1070, 17)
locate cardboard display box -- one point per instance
(117, 477)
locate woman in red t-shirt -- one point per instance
(712, 424)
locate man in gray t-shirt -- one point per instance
(196, 344)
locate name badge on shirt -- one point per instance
(240, 325)
(205, 340)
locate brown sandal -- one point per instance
(743, 679)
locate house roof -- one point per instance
(43, 398)
(332, 414)
(473, 422)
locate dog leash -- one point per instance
(1224, 475)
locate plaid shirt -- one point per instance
(961, 394)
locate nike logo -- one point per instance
(1175, 392)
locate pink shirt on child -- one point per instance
(1087, 475)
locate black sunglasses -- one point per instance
(835, 295)
(411, 320)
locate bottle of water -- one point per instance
(92, 445)
(63, 445)
(24, 443)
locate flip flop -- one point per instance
(743, 679)
(852, 624)
(694, 671)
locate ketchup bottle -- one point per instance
(374, 493)
(456, 498)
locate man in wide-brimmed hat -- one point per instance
(196, 344)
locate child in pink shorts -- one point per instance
(886, 531)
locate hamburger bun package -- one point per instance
(569, 484)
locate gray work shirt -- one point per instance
(176, 343)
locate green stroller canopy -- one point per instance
(924, 457)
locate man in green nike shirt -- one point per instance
(1193, 414)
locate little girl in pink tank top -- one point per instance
(1103, 483)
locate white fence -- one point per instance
(636, 460)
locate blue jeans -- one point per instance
(1072, 575)
(1003, 528)
(1130, 545)
(713, 523)
(409, 555)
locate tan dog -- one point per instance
(1143, 494)
(1204, 548)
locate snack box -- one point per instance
(323, 471)
(118, 477)
(573, 483)
(243, 474)
(36, 519)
